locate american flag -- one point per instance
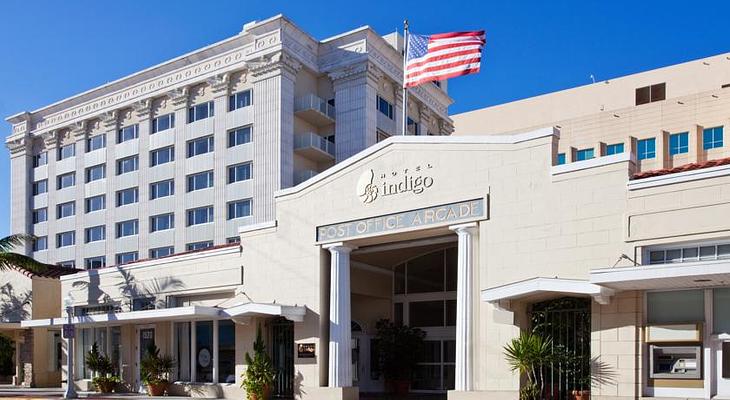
(442, 56)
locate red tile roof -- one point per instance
(51, 271)
(682, 168)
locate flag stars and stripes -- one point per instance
(441, 56)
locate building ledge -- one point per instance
(530, 288)
(682, 173)
(664, 276)
(592, 163)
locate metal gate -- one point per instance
(282, 354)
(567, 322)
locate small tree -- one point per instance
(104, 379)
(260, 373)
(155, 370)
(400, 348)
(528, 354)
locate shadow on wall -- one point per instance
(14, 307)
(602, 373)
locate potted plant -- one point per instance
(155, 371)
(400, 347)
(528, 354)
(104, 379)
(260, 373)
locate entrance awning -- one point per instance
(664, 276)
(537, 289)
(8, 326)
(247, 310)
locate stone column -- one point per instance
(219, 87)
(143, 109)
(50, 142)
(21, 185)
(464, 306)
(78, 133)
(110, 123)
(180, 98)
(340, 346)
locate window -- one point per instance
(127, 228)
(234, 239)
(125, 258)
(64, 210)
(678, 143)
(128, 133)
(650, 94)
(584, 154)
(612, 149)
(65, 239)
(127, 164)
(201, 215)
(182, 347)
(162, 156)
(240, 172)
(712, 138)
(226, 351)
(385, 107)
(198, 245)
(702, 252)
(66, 180)
(40, 215)
(561, 158)
(162, 222)
(239, 136)
(200, 146)
(162, 189)
(163, 122)
(40, 243)
(95, 262)
(95, 173)
(646, 148)
(66, 151)
(720, 310)
(238, 100)
(203, 340)
(95, 234)
(239, 209)
(127, 196)
(143, 303)
(200, 181)
(96, 142)
(412, 126)
(40, 159)
(67, 264)
(40, 187)
(676, 306)
(161, 252)
(200, 111)
(95, 203)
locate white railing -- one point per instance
(311, 139)
(312, 102)
(302, 175)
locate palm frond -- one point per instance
(8, 243)
(15, 260)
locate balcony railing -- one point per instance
(314, 110)
(302, 175)
(314, 146)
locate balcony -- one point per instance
(314, 110)
(314, 147)
(302, 175)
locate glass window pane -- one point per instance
(451, 269)
(449, 351)
(426, 313)
(426, 273)
(204, 351)
(677, 306)
(398, 314)
(674, 255)
(182, 351)
(707, 252)
(426, 377)
(450, 312)
(399, 284)
(226, 351)
(431, 352)
(723, 251)
(689, 254)
(720, 310)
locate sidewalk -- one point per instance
(14, 392)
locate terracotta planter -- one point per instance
(157, 389)
(267, 394)
(580, 395)
(105, 387)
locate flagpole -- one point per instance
(405, 90)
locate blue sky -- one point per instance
(54, 49)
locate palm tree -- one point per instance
(12, 260)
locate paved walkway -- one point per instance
(13, 392)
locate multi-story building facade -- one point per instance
(177, 157)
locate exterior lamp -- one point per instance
(69, 334)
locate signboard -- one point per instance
(204, 358)
(69, 331)
(374, 185)
(446, 214)
(306, 350)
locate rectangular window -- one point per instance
(95, 234)
(612, 149)
(95, 203)
(646, 148)
(561, 158)
(65, 239)
(712, 138)
(200, 111)
(126, 258)
(127, 164)
(200, 181)
(64, 210)
(127, 196)
(199, 245)
(200, 146)
(239, 136)
(162, 252)
(40, 187)
(240, 172)
(226, 351)
(66, 180)
(182, 350)
(162, 222)
(127, 228)
(239, 100)
(707, 252)
(233, 239)
(95, 262)
(66, 151)
(650, 94)
(678, 143)
(162, 189)
(96, 142)
(95, 173)
(239, 209)
(142, 303)
(128, 133)
(163, 122)
(203, 340)
(40, 159)
(201, 215)
(162, 156)
(385, 107)
(67, 264)
(40, 243)
(40, 215)
(584, 154)
(412, 126)
(720, 310)
(676, 306)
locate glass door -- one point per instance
(145, 340)
(282, 355)
(723, 368)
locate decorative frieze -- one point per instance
(368, 69)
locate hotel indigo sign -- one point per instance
(424, 217)
(372, 186)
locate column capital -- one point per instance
(366, 69)
(340, 247)
(143, 108)
(467, 228)
(78, 129)
(279, 63)
(219, 84)
(110, 119)
(50, 139)
(18, 145)
(179, 97)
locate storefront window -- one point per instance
(182, 350)
(721, 310)
(204, 351)
(115, 355)
(426, 273)
(226, 352)
(677, 306)
(86, 337)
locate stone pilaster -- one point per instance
(219, 85)
(110, 123)
(143, 111)
(21, 163)
(180, 99)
